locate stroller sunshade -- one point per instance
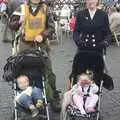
(89, 60)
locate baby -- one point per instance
(28, 96)
(84, 94)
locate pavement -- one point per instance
(62, 56)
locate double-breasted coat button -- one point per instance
(94, 45)
(93, 40)
(86, 40)
(87, 35)
(93, 36)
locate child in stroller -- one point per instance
(73, 105)
(28, 96)
(84, 94)
(26, 71)
(82, 99)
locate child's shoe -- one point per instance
(39, 104)
(34, 111)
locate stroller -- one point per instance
(30, 63)
(93, 61)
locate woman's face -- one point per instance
(91, 4)
(35, 1)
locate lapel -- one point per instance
(88, 15)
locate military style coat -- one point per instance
(92, 34)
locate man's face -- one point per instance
(35, 1)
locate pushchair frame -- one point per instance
(15, 44)
(88, 116)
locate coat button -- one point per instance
(94, 45)
(87, 35)
(93, 40)
(93, 36)
(86, 40)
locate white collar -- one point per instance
(92, 13)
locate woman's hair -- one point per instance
(98, 1)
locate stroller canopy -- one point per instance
(93, 61)
(28, 62)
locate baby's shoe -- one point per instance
(34, 111)
(39, 104)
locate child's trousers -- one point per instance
(26, 100)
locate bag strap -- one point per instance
(24, 10)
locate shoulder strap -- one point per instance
(87, 90)
(25, 12)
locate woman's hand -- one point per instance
(38, 38)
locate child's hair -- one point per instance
(89, 74)
(23, 75)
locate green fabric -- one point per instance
(49, 91)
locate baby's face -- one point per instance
(23, 82)
(84, 80)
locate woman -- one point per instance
(92, 32)
(114, 20)
(37, 25)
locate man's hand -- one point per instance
(38, 38)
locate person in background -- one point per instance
(114, 20)
(72, 23)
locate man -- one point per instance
(37, 24)
(114, 20)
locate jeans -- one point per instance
(26, 101)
